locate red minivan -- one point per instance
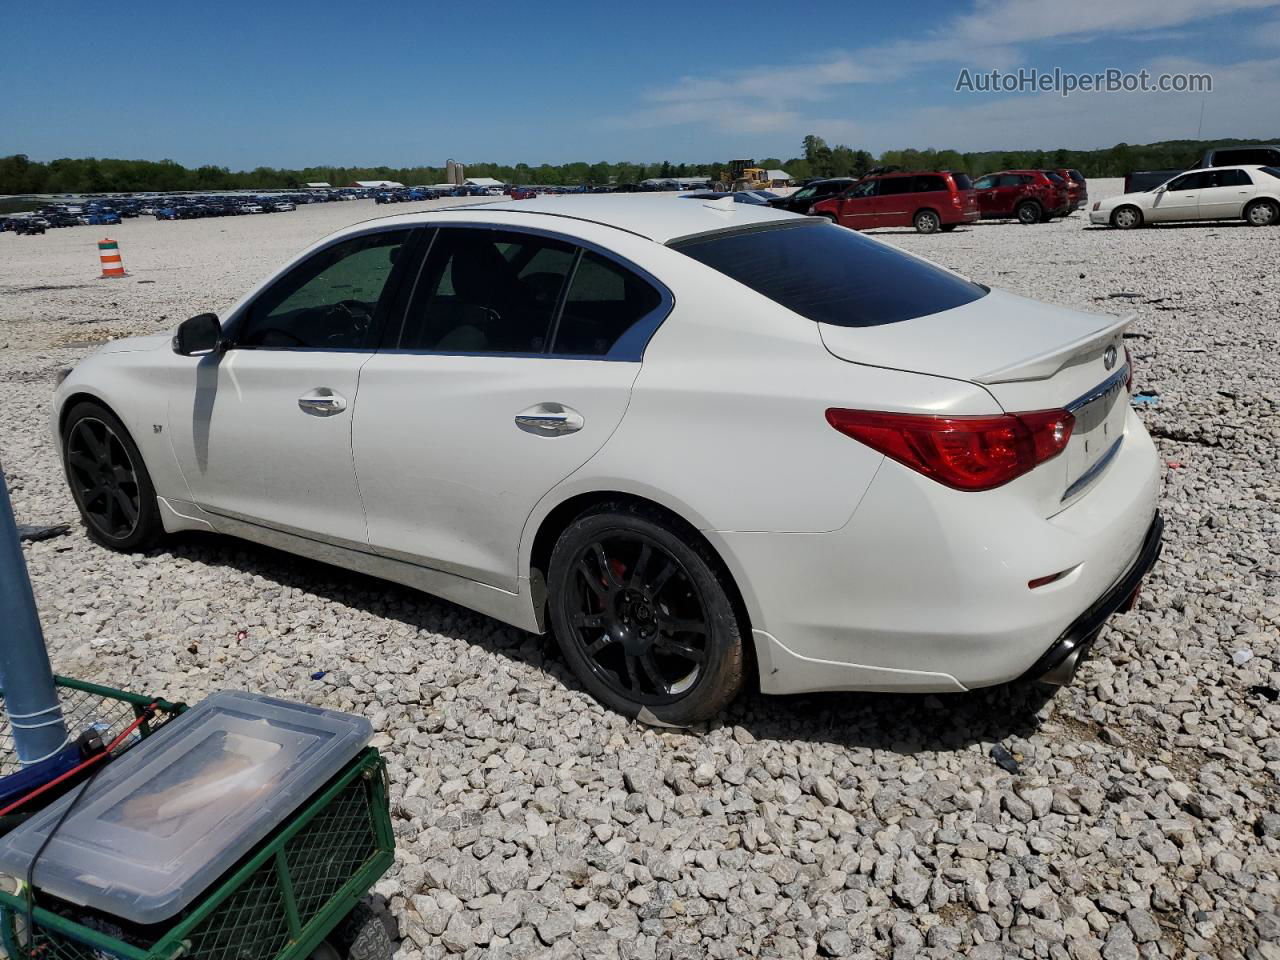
(927, 201)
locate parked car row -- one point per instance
(941, 199)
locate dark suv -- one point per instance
(929, 202)
(811, 193)
(1028, 196)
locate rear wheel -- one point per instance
(1028, 212)
(644, 616)
(108, 480)
(926, 221)
(1262, 213)
(1126, 218)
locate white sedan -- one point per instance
(707, 445)
(1248, 193)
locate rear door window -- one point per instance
(604, 301)
(894, 186)
(832, 275)
(487, 291)
(1231, 178)
(928, 183)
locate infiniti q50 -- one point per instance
(706, 444)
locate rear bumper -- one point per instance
(928, 588)
(1079, 637)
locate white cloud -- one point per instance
(1094, 119)
(772, 98)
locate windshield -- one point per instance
(832, 275)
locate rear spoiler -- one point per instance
(1045, 365)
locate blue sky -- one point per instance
(287, 84)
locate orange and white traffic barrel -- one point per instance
(109, 254)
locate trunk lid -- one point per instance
(1029, 356)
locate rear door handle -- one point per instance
(322, 402)
(550, 420)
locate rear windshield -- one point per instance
(832, 275)
(1054, 177)
(962, 181)
(1274, 171)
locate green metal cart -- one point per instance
(296, 895)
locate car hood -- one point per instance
(999, 338)
(1140, 199)
(136, 344)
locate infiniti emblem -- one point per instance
(1109, 357)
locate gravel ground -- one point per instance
(1144, 821)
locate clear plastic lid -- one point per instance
(159, 825)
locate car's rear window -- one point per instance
(1274, 171)
(831, 274)
(962, 181)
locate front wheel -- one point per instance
(1262, 213)
(108, 480)
(644, 616)
(927, 221)
(1126, 218)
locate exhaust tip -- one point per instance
(1063, 672)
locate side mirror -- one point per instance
(200, 335)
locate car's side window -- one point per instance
(864, 188)
(329, 301)
(1231, 178)
(487, 291)
(603, 302)
(984, 183)
(1191, 181)
(895, 186)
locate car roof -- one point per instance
(656, 217)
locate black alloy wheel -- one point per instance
(638, 617)
(644, 617)
(108, 480)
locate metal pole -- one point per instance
(30, 697)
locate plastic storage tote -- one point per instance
(160, 825)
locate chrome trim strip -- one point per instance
(1091, 474)
(1100, 391)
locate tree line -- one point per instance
(21, 175)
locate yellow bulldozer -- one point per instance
(744, 175)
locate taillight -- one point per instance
(1128, 362)
(965, 453)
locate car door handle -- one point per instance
(322, 402)
(550, 420)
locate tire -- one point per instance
(645, 615)
(1126, 217)
(830, 217)
(1028, 212)
(926, 221)
(362, 935)
(108, 480)
(948, 227)
(1262, 213)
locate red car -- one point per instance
(1077, 187)
(1028, 196)
(522, 193)
(927, 201)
